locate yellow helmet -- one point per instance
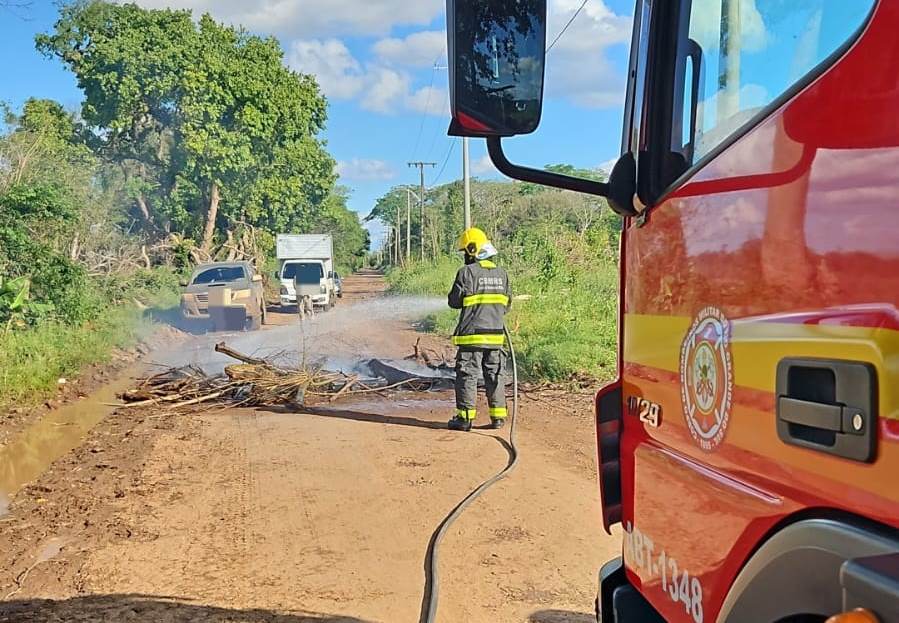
(472, 241)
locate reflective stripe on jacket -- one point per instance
(483, 294)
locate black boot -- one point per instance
(459, 423)
(497, 423)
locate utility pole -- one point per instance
(396, 247)
(421, 200)
(409, 195)
(391, 249)
(399, 235)
(466, 181)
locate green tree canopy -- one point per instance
(207, 123)
(503, 209)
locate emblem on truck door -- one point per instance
(706, 378)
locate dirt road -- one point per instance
(279, 516)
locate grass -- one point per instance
(565, 330)
(32, 360)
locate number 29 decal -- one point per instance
(650, 413)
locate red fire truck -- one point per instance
(749, 447)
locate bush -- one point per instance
(31, 361)
(33, 358)
(433, 278)
(154, 287)
(565, 332)
(54, 279)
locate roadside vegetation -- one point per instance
(560, 249)
(194, 142)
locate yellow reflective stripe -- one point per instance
(498, 412)
(478, 340)
(757, 347)
(485, 299)
(487, 264)
(467, 414)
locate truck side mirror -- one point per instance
(496, 60)
(497, 52)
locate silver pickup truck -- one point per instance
(232, 289)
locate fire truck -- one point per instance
(749, 446)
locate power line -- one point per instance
(426, 110)
(449, 152)
(438, 66)
(559, 36)
(439, 119)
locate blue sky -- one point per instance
(374, 59)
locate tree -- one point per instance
(248, 133)
(208, 125)
(129, 62)
(48, 175)
(503, 209)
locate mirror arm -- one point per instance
(536, 176)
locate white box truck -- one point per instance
(306, 262)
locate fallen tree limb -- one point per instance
(350, 382)
(194, 401)
(223, 348)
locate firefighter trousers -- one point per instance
(470, 364)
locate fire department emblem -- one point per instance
(706, 378)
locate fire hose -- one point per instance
(432, 577)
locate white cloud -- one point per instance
(380, 88)
(365, 169)
(483, 166)
(313, 18)
(385, 88)
(338, 73)
(429, 100)
(596, 26)
(577, 67)
(608, 165)
(420, 49)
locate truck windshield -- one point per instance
(749, 52)
(220, 274)
(303, 273)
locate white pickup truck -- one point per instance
(306, 261)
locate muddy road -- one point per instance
(280, 516)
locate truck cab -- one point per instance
(310, 277)
(306, 264)
(749, 444)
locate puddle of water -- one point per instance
(26, 456)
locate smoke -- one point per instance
(342, 339)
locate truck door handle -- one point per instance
(828, 405)
(829, 417)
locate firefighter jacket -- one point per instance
(481, 290)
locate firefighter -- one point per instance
(482, 292)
